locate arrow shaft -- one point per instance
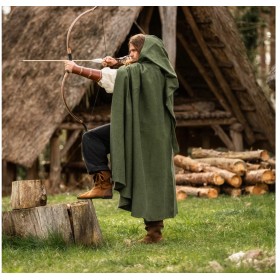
(53, 60)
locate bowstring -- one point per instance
(105, 47)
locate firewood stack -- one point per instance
(207, 173)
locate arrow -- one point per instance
(96, 60)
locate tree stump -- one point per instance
(75, 222)
(28, 194)
(85, 226)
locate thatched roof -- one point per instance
(220, 73)
(32, 105)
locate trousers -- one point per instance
(95, 148)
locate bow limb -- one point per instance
(69, 51)
(66, 74)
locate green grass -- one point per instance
(204, 230)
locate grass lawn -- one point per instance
(200, 239)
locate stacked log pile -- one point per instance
(207, 173)
(31, 216)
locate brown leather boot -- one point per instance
(102, 187)
(154, 234)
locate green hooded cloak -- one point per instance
(143, 139)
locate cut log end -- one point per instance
(264, 155)
(258, 189)
(233, 192)
(180, 195)
(218, 180)
(260, 176)
(268, 177)
(240, 168)
(235, 181)
(212, 193)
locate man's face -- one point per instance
(133, 53)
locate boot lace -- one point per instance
(98, 178)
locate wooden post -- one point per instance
(55, 164)
(236, 136)
(168, 16)
(9, 174)
(272, 39)
(145, 20)
(32, 172)
(72, 155)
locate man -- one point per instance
(141, 138)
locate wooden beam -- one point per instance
(168, 16)
(218, 45)
(238, 88)
(224, 85)
(32, 172)
(180, 122)
(204, 122)
(185, 84)
(74, 136)
(224, 137)
(202, 70)
(223, 64)
(199, 105)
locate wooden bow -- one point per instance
(66, 74)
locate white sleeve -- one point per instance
(108, 79)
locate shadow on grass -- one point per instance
(54, 241)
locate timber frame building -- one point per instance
(219, 102)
